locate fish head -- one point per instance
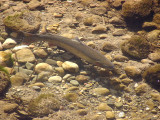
(29, 38)
(105, 64)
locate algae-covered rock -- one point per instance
(132, 71)
(149, 26)
(153, 35)
(136, 47)
(153, 38)
(4, 82)
(152, 76)
(136, 8)
(156, 18)
(142, 88)
(23, 21)
(43, 105)
(6, 59)
(71, 97)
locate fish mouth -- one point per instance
(111, 67)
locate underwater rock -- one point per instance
(156, 18)
(132, 71)
(155, 56)
(99, 29)
(136, 47)
(43, 67)
(104, 107)
(136, 8)
(152, 76)
(88, 21)
(118, 3)
(5, 59)
(142, 88)
(149, 26)
(25, 55)
(43, 105)
(71, 97)
(110, 115)
(23, 21)
(4, 82)
(99, 10)
(70, 66)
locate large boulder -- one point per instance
(136, 8)
(136, 47)
(23, 21)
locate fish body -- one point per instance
(76, 47)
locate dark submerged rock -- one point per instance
(151, 75)
(136, 47)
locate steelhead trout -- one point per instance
(76, 47)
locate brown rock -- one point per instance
(99, 29)
(156, 18)
(150, 26)
(70, 66)
(119, 32)
(117, 21)
(25, 55)
(126, 81)
(138, 8)
(107, 46)
(154, 56)
(4, 82)
(88, 21)
(101, 91)
(33, 4)
(43, 105)
(150, 104)
(142, 88)
(82, 112)
(71, 97)
(40, 53)
(43, 67)
(58, 15)
(91, 44)
(110, 115)
(99, 10)
(10, 107)
(120, 58)
(23, 21)
(16, 80)
(118, 3)
(5, 59)
(82, 78)
(19, 6)
(103, 36)
(132, 71)
(155, 96)
(104, 107)
(153, 35)
(60, 71)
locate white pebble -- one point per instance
(19, 47)
(9, 43)
(70, 66)
(55, 79)
(66, 76)
(121, 115)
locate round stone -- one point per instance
(74, 82)
(55, 79)
(70, 66)
(43, 67)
